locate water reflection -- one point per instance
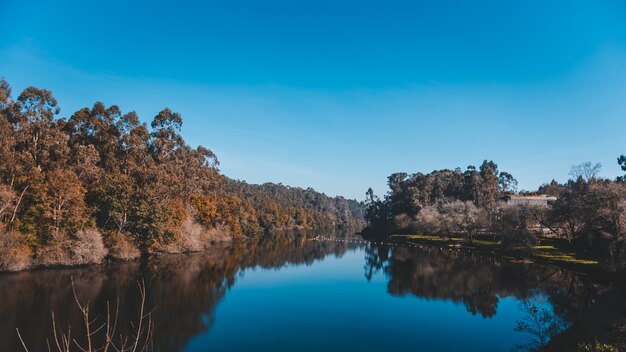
(186, 289)
(539, 324)
(478, 281)
(183, 289)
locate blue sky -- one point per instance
(337, 95)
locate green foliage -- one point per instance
(410, 193)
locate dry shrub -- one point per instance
(428, 220)
(121, 248)
(86, 247)
(193, 237)
(463, 218)
(15, 255)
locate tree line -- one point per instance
(101, 182)
(588, 212)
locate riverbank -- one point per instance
(92, 247)
(604, 323)
(276, 274)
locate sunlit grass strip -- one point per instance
(545, 252)
(430, 238)
(543, 247)
(565, 257)
(444, 239)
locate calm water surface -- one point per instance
(287, 292)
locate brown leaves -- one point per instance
(67, 206)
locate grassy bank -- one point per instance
(549, 251)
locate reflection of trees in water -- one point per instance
(183, 289)
(375, 259)
(539, 324)
(478, 281)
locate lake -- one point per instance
(288, 292)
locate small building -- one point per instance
(540, 199)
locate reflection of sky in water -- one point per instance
(331, 306)
(285, 293)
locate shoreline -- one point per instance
(548, 252)
(37, 264)
(175, 248)
(604, 322)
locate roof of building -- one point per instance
(533, 197)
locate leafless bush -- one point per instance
(429, 220)
(194, 237)
(140, 340)
(121, 248)
(462, 217)
(86, 247)
(15, 255)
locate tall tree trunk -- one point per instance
(18, 203)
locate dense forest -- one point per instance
(587, 212)
(100, 183)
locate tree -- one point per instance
(604, 210)
(569, 209)
(489, 184)
(65, 199)
(472, 185)
(8, 154)
(514, 223)
(165, 137)
(97, 127)
(594, 216)
(105, 169)
(622, 162)
(540, 324)
(113, 195)
(463, 218)
(409, 195)
(490, 191)
(399, 197)
(8, 198)
(552, 189)
(375, 209)
(507, 183)
(39, 141)
(587, 170)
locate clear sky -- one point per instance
(337, 95)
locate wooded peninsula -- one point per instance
(579, 223)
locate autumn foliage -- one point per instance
(103, 176)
